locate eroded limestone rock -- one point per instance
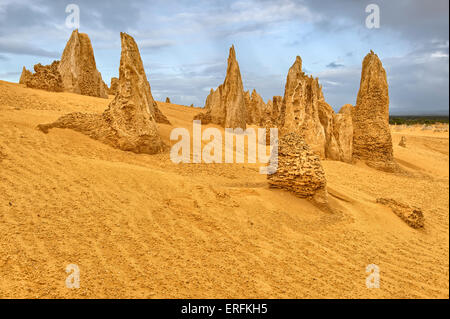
(255, 108)
(299, 169)
(226, 105)
(372, 141)
(129, 122)
(277, 102)
(343, 133)
(78, 68)
(114, 88)
(25, 76)
(413, 216)
(303, 104)
(46, 77)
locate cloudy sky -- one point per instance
(184, 44)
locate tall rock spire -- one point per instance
(300, 108)
(304, 111)
(134, 87)
(233, 96)
(372, 141)
(78, 68)
(226, 105)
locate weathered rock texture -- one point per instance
(413, 216)
(247, 102)
(267, 111)
(343, 134)
(105, 87)
(299, 169)
(372, 140)
(167, 100)
(129, 122)
(25, 76)
(78, 69)
(114, 88)
(267, 125)
(226, 105)
(270, 116)
(304, 110)
(214, 110)
(300, 108)
(255, 108)
(277, 102)
(46, 77)
(402, 142)
(326, 119)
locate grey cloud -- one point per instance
(181, 89)
(228, 18)
(16, 16)
(334, 65)
(267, 86)
(418, 85)
(10, 74)
(340, 86)
(23, 48)
(415, 20)
(210, 69)
(215, 68)
(186, 83)
(246, 29)
(149, 44)
(37, 16)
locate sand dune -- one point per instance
(139, 226)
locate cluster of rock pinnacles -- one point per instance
(309, 129)
(129, 122)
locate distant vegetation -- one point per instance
(413, 119)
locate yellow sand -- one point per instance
(139, 226)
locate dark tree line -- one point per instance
(411, 119)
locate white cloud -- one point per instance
(154, 43)
(439, 54)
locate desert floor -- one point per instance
(140, 226)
